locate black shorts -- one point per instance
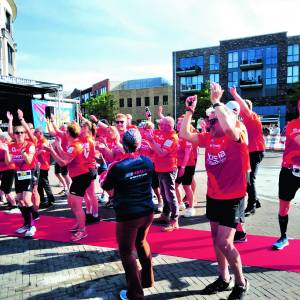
(93, 174)
(60, 170)
(155, 181)
(80, 184)
(228, 213)
(187, 177)
(24, 185)
(7, 180)
(288, 184)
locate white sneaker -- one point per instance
(13, 211)
(103, 198)
(189, 212)
(182, 206)
(160, 208)
(31, 231)
(22, 229)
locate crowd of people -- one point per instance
(136, 164)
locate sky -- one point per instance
(80, 42)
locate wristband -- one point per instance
(217, 104)
(21, 119)
(188, 108)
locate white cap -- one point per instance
(234, 106)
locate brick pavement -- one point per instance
(36, 269)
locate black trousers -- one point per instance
(255, 159)
(43, 185)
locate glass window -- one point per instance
(147, 101)
(293, 74)
(293, 53)
(190, 63)
(233, 79)
(214, 62)
(271, 55)
(251, 77)
(138, 101)
(156, 100)
(214, 78)
(271, 76)
(129, 102)
(233, 58)
(193, 83)
(121, 102)
(8, 21)
(10, 54)
(165, 100)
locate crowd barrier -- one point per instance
(275, 142)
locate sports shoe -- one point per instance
(257, 204)
(31, 231)
(189, 212)
(14, 210)
(240, 237)
(160, 208)
(250, 210)
(181, 206)
(173, 225)
(239, 292)
(22, 229)
(281, 243)
(79, 235)
(163, 219)
(123, 295)
(218, 285)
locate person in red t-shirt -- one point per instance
(21, 154)
(164, 145)
(79, 172)
(256, 147)
(226, 162)
(289, 178)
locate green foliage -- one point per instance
(294, 91)
(103, 106)
(203, 100)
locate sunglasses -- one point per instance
(212, 121)
(119, 122)
(19, 132)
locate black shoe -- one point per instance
(239, 292)
(250, 210)
(35, 215)
(257, 204)
(240, 237)
(217, 286)
(46, 204)
(88, 218)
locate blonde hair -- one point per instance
(121, 116)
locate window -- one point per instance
(233, 79)
(193, 83)
(156, 100)
(233, 59)
(251, 56)
(129, 102)
(293, 74)
(121, 102)
(138, 101)
(251, 77)
(293, 53)
(147, 101)
(271, 55)
(190, 63)
(214, 78)
(10, 54)
(165, 100)
(213, 62)
(271, 76)
(8, 22)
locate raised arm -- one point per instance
(245, 111)
(10, 129)
(25, 125)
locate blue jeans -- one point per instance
(167, 190)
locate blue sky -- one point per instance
(80, 42)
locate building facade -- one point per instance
(8, 48)
(134, 95)
(263, 68)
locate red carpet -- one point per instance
(188, 243)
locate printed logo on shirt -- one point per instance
(136, 174)
(217, 159)
(70, 150)
(168, 143)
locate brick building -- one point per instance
(262, 68)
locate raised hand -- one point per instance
(233, 91)
(9, 116)
(93, 118)
(191, 103)
(216, 92)
(20, 114)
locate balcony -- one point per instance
(251, 64)
(251, 84)
(192, 70)
(190, 88)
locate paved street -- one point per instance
(36, 269)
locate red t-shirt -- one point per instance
(43, 156)
(227, 164)
(64, 140)
(291, 155)
(183, 145)
(18, 161)
(78, 165)
(255, 132)
(169, 142)
(89, 151)
(3, 165)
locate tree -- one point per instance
(203, 102)
(294, 91)
(103, 106)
